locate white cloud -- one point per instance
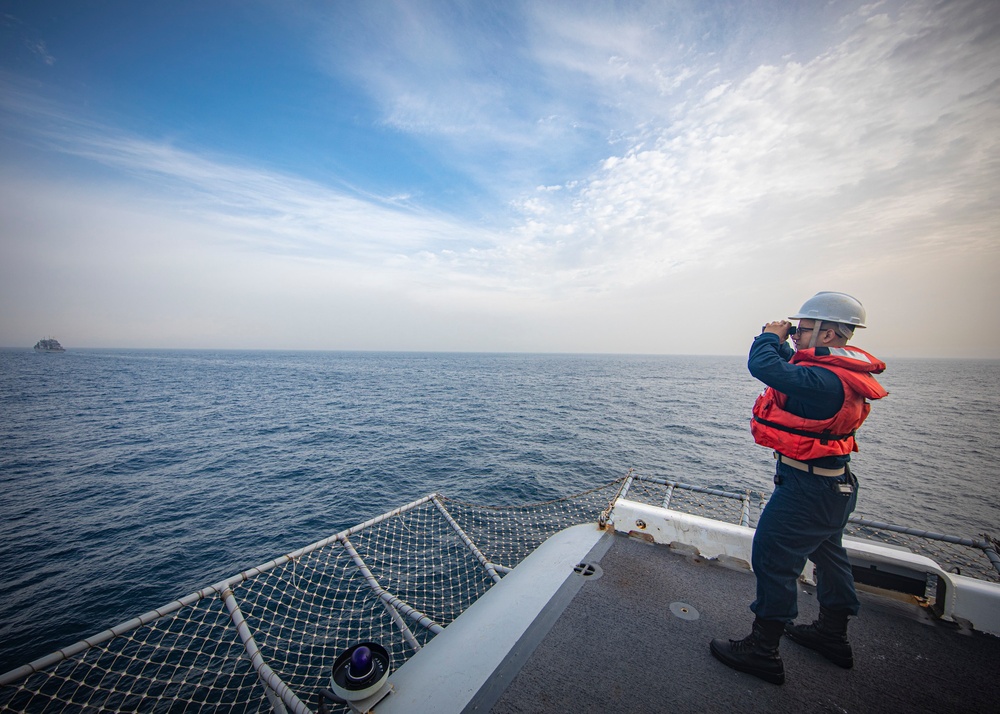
(266, 211)
(703, 186)
(40, 50)
(859, 147)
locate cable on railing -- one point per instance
(984, 545)
(695, 489)
(273, 685)
(669, 494)
(43, 663)
(410, 612)
(401, 625)
(745, 511)
(917, 532)
(483, 560)
(992, 550)
(629, 478)
(602, 519)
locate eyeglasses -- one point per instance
(799, 330)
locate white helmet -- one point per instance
(832, 307)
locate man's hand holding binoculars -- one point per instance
(781, 328)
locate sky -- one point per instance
(543, 176)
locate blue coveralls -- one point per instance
(806, 514)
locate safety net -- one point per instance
(266, 638)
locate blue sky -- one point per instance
(658, 177)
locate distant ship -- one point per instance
(49, 345)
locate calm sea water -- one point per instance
(131, 478)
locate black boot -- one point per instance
(827, 635)
(756, 654)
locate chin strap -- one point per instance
(815, 334)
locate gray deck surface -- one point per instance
(617, 647)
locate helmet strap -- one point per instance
(814, 337)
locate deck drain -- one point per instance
(591, 571)
(684, 611)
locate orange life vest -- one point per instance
(805, 439)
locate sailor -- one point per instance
(816, 398)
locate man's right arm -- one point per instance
(815, 392)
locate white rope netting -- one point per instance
(410, 574)
(268, 637)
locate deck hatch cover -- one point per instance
(588, 570)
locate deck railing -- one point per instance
(266, 638)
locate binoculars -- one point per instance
(791, 330)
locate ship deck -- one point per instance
(627, 632)
(613, 643)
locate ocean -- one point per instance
(131, 478)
